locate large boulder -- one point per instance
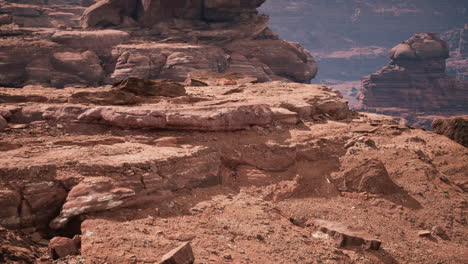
(420, 46)
(108, 13)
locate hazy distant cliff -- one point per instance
(350, 38)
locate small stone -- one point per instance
(424, 233)
(180, 255)
(438, 230)
(60, 247)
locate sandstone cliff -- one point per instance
(147, 39)
(414, 83)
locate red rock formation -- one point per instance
(415, 81)
(150, 39)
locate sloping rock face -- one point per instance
(456, 128)
(415, 81)
(145, 39)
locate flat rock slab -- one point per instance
(346, 237)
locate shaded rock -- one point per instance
(15, 247)
(225, 10)
(347, 238)
(11, 201)
(90, 40)
(60, 247)
(3, 123)
(142, 87)
(285, 59)
(420, 46)
(134, 63)
(6, 19)
(150, 12)
(112, 97)
(107, 13)
(365, 176)
(86, 65)
(455, 128)
(183, 254)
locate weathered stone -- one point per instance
(181, 255)
(346, 237)
(60, 247)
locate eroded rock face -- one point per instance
(146, 39)
(415, 80)
(456, 128)
(150, 12)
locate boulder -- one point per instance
(455, 128)
(365, 176)
(60, 247)
(182, 254)
(421, 47)
(108, 13)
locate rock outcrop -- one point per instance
(415, 81)
(147, 39)
(457, 64)
(150, 12)
(455, 128)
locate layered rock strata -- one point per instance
(415, 82)
(148, 39)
